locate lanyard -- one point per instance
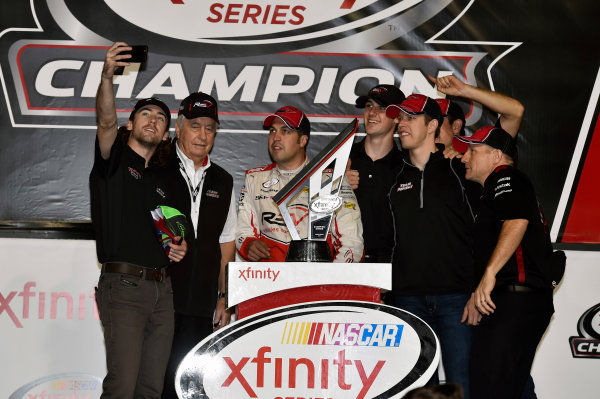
(194, 191)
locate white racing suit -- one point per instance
(259, 217)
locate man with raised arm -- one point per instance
(134, 294)
(513, 254)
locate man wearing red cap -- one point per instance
(134, 295)
(510, 115)
(261, 233)
(513, 254)
(432, 273)
(205, 193)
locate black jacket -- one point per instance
(433, 222)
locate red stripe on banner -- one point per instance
(583, 223)
(347, 4)
(311, 336)
(520, 264)
(318, 333)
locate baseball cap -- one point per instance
(151, 101)
(199, 104)
(292, 117)
(416, 104)
(382, 95)
(493, 136)
(451, 108)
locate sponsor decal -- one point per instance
(271, 182)
(345, 334)
(258, 274)
(503, 192)
(313, 350)
(160, 192)
(20, 306)
(212, 193)
(587, 343)
(325, 204)
(61, 386)
(136, 175)
(404, 186)
(349, 205)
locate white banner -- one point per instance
(52, 342)
(52, 345)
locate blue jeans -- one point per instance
(443, 314)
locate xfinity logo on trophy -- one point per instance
(318, 52)
(321, 349)
(587, 344)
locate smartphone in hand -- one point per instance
(139, 54)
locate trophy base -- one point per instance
(308, 251)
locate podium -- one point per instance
(258, 286)
(310, 330)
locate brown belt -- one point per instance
(145, 273)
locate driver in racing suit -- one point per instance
(261, 233)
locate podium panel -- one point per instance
(257, 286)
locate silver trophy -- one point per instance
(322, 178)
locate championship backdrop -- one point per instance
(255, 56)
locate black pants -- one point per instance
(189, 330)
(505, 342)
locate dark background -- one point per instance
(44, 172)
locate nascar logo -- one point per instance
(346, 334)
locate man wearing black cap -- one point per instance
(432, 272)
(205, 191)
(261, 233)
(134, 294)
(512, 254)
(373, 164)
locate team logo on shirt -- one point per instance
(502, 186)
(404, 186)
(160, 192)
(212, 193)
(136, 175)
(271, 182)
(587, 343)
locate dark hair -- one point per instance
(160, 155)
(452, 118)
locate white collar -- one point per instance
(188, 164)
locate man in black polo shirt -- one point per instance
(512, 255)
(374, 162)
(204, 191)
(134, 294)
